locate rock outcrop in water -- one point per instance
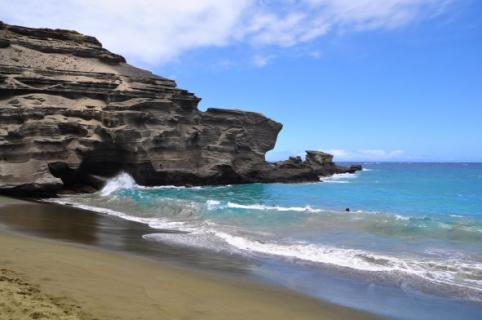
(72, 114)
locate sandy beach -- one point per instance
(47, 279)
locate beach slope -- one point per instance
(44, 279)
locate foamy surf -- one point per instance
(340, 178)
(462, 274)
(155, 223)
(119, 182)
(273, 208)
(443, 272)
(291, 224)
(123, 181)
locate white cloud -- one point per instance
(380, 154)
(153, 32)
(148, 31)
(347, 155)
(339, 153)
(367, 154)
(316, 54)
(374, 14)
(261, 60)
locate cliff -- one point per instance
(73, 114)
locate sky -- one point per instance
(367, 80)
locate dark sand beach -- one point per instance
(55, 265)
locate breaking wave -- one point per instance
(273, 208)
(460, 276)
(339, 178)
(201, 220)
(121, 181)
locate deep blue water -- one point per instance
(410, 246)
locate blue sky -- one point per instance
(384, 80)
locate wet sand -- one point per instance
(52, 279)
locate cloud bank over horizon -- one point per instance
(361, 155)
(368, 154)
(157, 32)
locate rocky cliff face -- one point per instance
(73, 114)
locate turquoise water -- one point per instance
(413, 232)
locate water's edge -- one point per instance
(32, 229)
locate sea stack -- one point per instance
(73, 114)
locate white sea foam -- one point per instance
(273, 208)
(156, 223)
(192, 240)
(205, 234)
(447, 272)
(400, 217)
(457, 271)
(121, 181)
(336, 181)
(124, 181)
(350, 258)
(339, 178)
(213, 204)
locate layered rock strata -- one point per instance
(73, 114)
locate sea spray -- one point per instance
(121, 181)
(339, 178)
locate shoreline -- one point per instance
(87, 281)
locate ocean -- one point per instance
(399, 239)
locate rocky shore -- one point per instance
(73, 114)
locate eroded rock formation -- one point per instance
(72, 114)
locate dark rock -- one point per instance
(318, 158)
(354, 168)
(73, 114)
(291, 163)
(317, 164)
(4, 43)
